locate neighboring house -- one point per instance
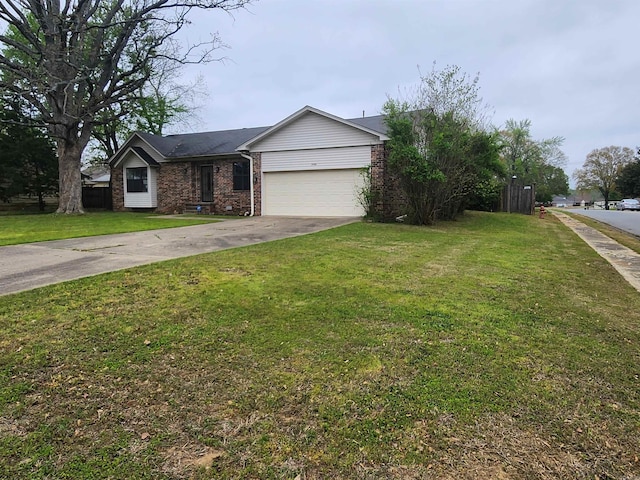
(309, 164)
(101, 181)
(95, 187)
(96, 177)
(560, 201)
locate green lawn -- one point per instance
(16, 229)
(499, 346)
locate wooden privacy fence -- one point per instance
(97, 197)
(518, 198)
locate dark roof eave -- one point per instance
(145, 157)
(203, 156)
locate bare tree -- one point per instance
(74, 60)
(449, 91)
(602, 168)
(160, 103)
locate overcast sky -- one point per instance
(571, 67)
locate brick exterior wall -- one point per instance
(226, 200)
(378, 164)
(117, 189)
(176, 183)
(257, 185)
(391, 200)
(179, 186)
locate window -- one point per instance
(241, 175)
(137, 179)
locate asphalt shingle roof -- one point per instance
(199, 144)
(225, 142)
(375, 123)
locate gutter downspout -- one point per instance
(253, 202)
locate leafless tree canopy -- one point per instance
(73, 60)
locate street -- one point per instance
(627, 220)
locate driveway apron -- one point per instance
(27, 266)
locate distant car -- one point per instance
(628, 204)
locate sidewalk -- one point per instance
(623, 259)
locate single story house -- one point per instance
(96, 176)
(309, 164)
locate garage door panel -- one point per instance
(327, 193)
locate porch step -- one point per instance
(192, 208)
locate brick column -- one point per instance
(117, 189)
(378, 168)
(257, 185)
(391, 199)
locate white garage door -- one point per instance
(315, 193)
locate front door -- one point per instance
(206, 183)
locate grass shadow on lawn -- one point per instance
(491, 347)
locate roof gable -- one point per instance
(136, 139)
(144, 156)
(138, 151)
(331, 122)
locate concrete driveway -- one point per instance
(27, 266)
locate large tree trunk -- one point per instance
(69, 164)
(72, 139)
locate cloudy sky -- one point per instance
(572, 67)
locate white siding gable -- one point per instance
(148, 199)
(317, 159)
(312, 131)
(133, 161)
